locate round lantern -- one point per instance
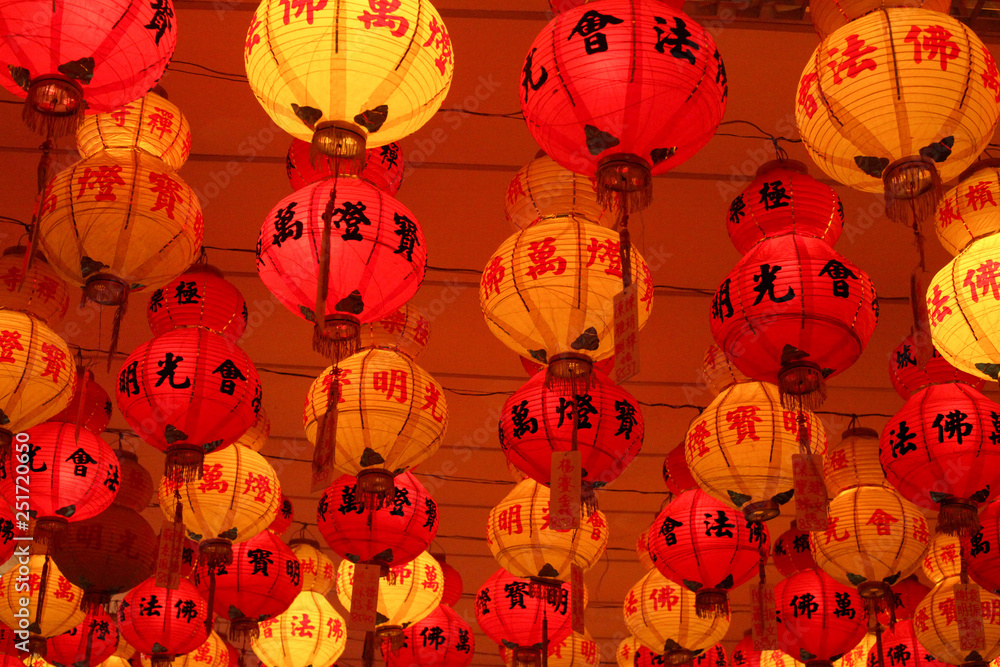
(188, 392)
(900, 648)
(39, 292)
(937, 627)
(873, 539)
(818, 309)
(599, 108)
(969, 210)
(662, 615)
(408, 595)
(377, 255)
(744, 654)
(708, 547)
(199, 297)
(163, 622)
(537, 421)
(576, 650)
(779, 659)
(51, 613)
(829, 15)
(391, 415)
(853, 462)
(522, 541)
(984, 545)
(442, 639)
(714, 656)
(255, 437)
(383, 166)
(676, 474)
(631, 653)
(548, 293)
(63, 69)
(740, 448)
(908, 593)
(784, 199)
(85, 645)
(136, 489)
(318, 571)
(718, 371)
(119, 221)
(151, 123)
(286, 513)
(542, 190)
(867, 116)
(405, 331)
(309, 632)
(793, 552)
(908, 375)
(820, 619)
(90, 406)
(332, 74)
(939, 451)
(858, 656)
(213, 652)
(943, 558)
(452, 582)
(642, 550)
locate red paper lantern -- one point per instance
(908, 375)
(136, 489)
(89, 643)
(908, 594)
(745, 655)
(939, 451)
(713, 656)
(901, 648)
(623, 90)
(707, 546)
(199, 297)
(793, 552)
(383, 166)
(286, 513)
(676, 474)
(984, 547)
(442, 639)
(90, 406)
(819, 618)
(162, 622)
(391, 535)
(816, 310)
(537, 421)
(452, 582)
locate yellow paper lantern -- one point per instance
(943, 558)
(519, 535)
(405, 331)
(829, 15)
(901, 100)
(151, 123)
(778, 659)
(971, 209)
(310, 632)
(720, 373)
(124, 650)
(543, 190)
(627, 648)
(936, 625)
(575, 650)
(662, 616)
(858, 656)
(319, 574)
(377, 70)
(40, 292)
(212, 653)
(118, 221)
(740, 448)
(853, 461)
(60, 605)
(875, 537)
(256, 436)
(548, 292)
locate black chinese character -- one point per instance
(719, 525)
(151, 607)
(765, 287)
(167, 369)
(667, 530)
(902, 444)
(349, 501)
(260, 558)
(187, 293)
(431, 512)
(722, 304)
(773, 195)
(160, 23)
(352, 214)
(584, 408)
(81, 459)
(528, 80)
(978, 544)
(844, 608)
(433, 636)
(736, 211)
(187, 609)
(522, 422)
(626, 418)
(804, 605)
(286, 226)
(678, 38)
(838, 273)
(156, 300)
(128, 380)
(904, 358)
(229, 372)
(589, 27)
(406, 230)
(952, 425)
(399, 499)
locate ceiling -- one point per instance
(455, 185)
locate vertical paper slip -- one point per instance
(968, 613)
(364, 597)
(576, 590)
(810, 492)
(564, 491)
(168, 557)
(765, 626)
(626, 334)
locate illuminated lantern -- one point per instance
(576, 650)
(819, 311)
(908, 593)
(377, 256)
(623, 92)
(90, 406)
(784, 199)
(900, 647)
(63, 70)
(442, 639)
(391, 415)
(543, 190)
(261, 582)
(943, 558)
(983, 548)
(87, 644)
(7, 541)
(286, 513)
(405, 331)
(676, 474)
(189, 392)
(136, 489)
(853, 462)
(714, 656)
(937, 628)
(350, 92)
(119, 221)
(820, 619)
(744, 654)
(151, 123)
(124, 651)
(708, 547)
(537, 421)
(858, 656)
(642, 550)
(42, 294)
(548, 293)
(393, 534)
(52, 613)
(319, 574)
(662, 615)
(874, 538)
(178, 628)
(631, 653)
(213, 652)
(383, 166)
(718, 371)
(938, 452)
(862, 117)
(452, 582)
(199, 297)
(969, 210)
(793, 552)
(255, 437)
(908, 376)
(740, 448)
(520, 538)
(309, 632)
(235, 498)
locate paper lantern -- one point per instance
(983, 547)
(163, 622)
(90, 406)
(661, 615)
(676, 474)
(119, 221)
(82, 55)
(909, 376)
(350, 91)
(623, 92)
(858, 656)
(937, 629)
(740, 448)
(453, 585)
(547, 293)
(189, 392)
(778, 659)
(576, 650)
(442, 639)
(969, 210)
(199, 297)
(631, 653)
(319, 574)
(714, 656)
(7, 541)
(708, 547)
(213, 652)
(383, 166)
(943, 558)
(309, 632)
(719, 372)
(283, 520)
(520, 537)
(405, 331)
(744, 654)
(829, 15)
(866, 117)
(820, 619)
(151, 123)
(873, 539)
(85, 645)
(900, 648)
(642, 550)
(49, 614)
(938, 451)
(136, 489)
(256, 437)
(537, 421)
(793, 552)
(819, 311)
(908, 593)
(784, 199)
(39, 292)
(377, 254)
(543, 190)
(853, 462)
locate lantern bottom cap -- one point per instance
(344, 143)
(338, 337)
(106, 289)
(912, 190)
(54, 106)
(527, 657)
(874, 589)
(761, 510)
(6, 440)
(184, 462)
(374, 485)
(569, 373)
(801, 385)
(629, 177)
(393, 635)
(243, 629)
(958, 516)
(217, 551)
(677, 656)
(711, 602)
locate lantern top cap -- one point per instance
(987, 163)
(791, 165)
(860, 432)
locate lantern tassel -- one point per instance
(161, 660)
(243, 629)
(373, 487)
(801, 384)
(958, 516)
(48, 533)
(626, 178)
(95, 601)
(184, 463)
(912, 190)
(325, 451)
(527, 657)
(51, 126)
(711, 602)
(588, 498)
